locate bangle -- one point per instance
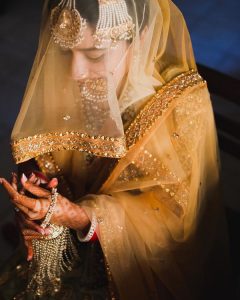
(54, 196)
(91, 232)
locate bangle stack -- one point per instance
(91, 232)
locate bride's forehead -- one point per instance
(88, 44)
(88, 40)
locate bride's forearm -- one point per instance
(81, 221)
(72, 215)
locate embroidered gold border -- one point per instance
(160, 103)
(30, 147)
(154, 110)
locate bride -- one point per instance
(118, 165)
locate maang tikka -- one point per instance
(114, 24)
(67, 25)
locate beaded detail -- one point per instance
(160, 103)
(114, 24)
(54, 197)
(52, 258)
(67, 25)
(32, 146)
(49, 168)
(146, 164)
(88, 237)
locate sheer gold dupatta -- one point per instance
(160, 220)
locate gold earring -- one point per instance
(114, 23)
(67, 25)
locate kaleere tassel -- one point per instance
(53, 255)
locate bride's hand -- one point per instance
(66, 213)
(31, 230)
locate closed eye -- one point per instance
(95, 58)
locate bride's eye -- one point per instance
(95, 57)
(64, 51)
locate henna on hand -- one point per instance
(66, 213)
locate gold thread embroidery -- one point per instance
(48, 167)
(160, 102)
(32, 146)
(155, 108)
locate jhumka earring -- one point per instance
(67, 25)
(114, 23)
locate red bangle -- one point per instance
(92, 233)
(94, 237)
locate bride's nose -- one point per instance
(79, 66)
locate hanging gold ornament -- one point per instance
(53, 255)
(114, 23)
(67, 25)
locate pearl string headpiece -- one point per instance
(114, 24)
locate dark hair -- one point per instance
(86, 8)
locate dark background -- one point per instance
(215, 30)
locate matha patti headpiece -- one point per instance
(67, 25)
(114, 24)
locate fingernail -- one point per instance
(48, 231)
(42, 231)
(24, 178)
(31, 175)
(42, 181)
(54, 181)
(14, 176)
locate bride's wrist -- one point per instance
(78, 219)
(89, 233)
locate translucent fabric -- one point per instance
(152, 177)
(80, 94)
(161, 223)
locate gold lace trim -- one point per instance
(30, 147)
(155, 108)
